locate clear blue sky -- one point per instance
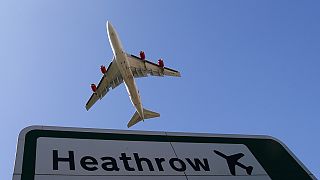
(248, 67)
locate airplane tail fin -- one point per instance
(249, 170)
(147, 115)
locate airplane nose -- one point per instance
(110, 28)
(109, 25)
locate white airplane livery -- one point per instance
(125, 67)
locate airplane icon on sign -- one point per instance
(232, 161)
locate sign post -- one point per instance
(72, 153)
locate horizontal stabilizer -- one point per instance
(147, 115)
(150, 114)
(249, 170)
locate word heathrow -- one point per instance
(130, 163)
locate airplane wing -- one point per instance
(236, 157)
(111, 79)
(143, 68)
(232, 168)
(232, 160)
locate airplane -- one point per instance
(232, 161)
(124, 68)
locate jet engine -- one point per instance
(93, 87)
(160, 63)
(142, 55)
(103, 69)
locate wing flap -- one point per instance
(117, 81)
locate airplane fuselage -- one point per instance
(122, 62)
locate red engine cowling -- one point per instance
(142, 55)
(160, 63)
(103, 69)
(93, 87)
